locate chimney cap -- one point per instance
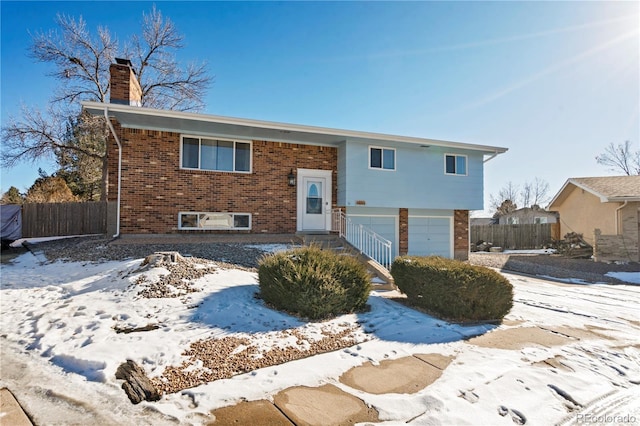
(121, 61)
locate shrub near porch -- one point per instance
(453, 290)
(314, 283)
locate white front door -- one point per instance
(314, 200)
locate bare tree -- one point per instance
(46, 135)
(165, 84)
(81, 63)
(509, 192)
(532, 194)
(535, 193)
(621, 158)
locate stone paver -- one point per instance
(403, 375)
(247, 413)
(11, 412)
(324, 405)
(519, 338)
(439, 361)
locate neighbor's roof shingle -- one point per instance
(610, 186)
(607, 188)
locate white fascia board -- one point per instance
(603, 198)
(94, 107)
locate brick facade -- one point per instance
(125, 88)
(403, 229)
(461, 234)
(155, 188)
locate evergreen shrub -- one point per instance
(453, 290)
(313, 283)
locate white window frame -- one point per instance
(203, 227)
(513, 220)
(235, 142)
(466, 165)
(540, 220)
(383, 148)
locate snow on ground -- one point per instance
(59, 347)
(530, 251)
(630, 277)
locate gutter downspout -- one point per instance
(115, 136)
(618, 215)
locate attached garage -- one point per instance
(430, 236)
(383, 222)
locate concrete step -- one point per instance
(381, 279)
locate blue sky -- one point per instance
(555, 82)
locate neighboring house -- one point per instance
(183, 172)
(528, 216)
(605, 210)
(480, 221)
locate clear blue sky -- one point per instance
(555, 82)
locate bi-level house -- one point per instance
(176, 172)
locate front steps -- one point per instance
(381, 279)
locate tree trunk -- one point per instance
(104, 190)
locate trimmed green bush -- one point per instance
(452, 289)
(313, 283)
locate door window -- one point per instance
(314, 197)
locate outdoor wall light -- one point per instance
(291, 178)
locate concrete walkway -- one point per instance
(330, 405)
(11, 413)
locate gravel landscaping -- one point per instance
(99, 248)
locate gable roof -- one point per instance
(608, 188)
(205, 124)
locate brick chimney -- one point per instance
(125, 88)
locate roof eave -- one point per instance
(98, 108)
(630, 199)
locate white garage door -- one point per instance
(385, 226)
(430, 236)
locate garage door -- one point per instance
(385, 226)
(430, 236)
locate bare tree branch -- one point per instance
(621, 158)
(81, 61)
(165, 83)
(534, 193)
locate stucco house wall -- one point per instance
(582, 212)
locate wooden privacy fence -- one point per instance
(62, 219)
(522, 237)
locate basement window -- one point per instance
(214, 221)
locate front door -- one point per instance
(314, 200)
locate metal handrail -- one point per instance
(369, 243)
